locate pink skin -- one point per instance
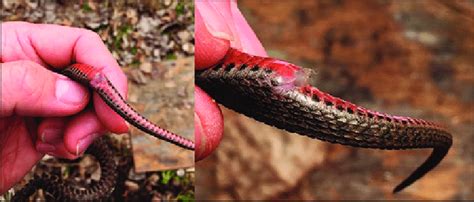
(45, 112)
(208, 131)
(219, 26)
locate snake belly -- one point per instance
(93, 77)
(275, 92)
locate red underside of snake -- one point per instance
(275, 92)
(98, 82)
(94, 78)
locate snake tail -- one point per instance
(276, 93)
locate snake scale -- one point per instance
(276, 93)
(59, 189)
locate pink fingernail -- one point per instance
(213, 21)
(44, 148)
(51, 135)
(128, 126)
(83, 143)
(68, 91)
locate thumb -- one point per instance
(208, 124)
(29, 89)
(209, 49)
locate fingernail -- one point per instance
(83, 143)
(128, 126)
(50, 135)
(68, 91)
(213, 22)
(44, 148)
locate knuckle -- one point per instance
(26, 73)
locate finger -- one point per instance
(51, 132)
(88, 52)
(223, 9)
(68, 139)
(216, 17)
(209, 49)
(50, 140)
(81, 132)
(108, 117)
(225, 17)
(59, 46)
(208, 124)
(17, 152)
(248, 39)
(29, 89)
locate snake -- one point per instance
(59, 189)
(277, 93)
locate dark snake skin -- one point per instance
(60, 190)
(253, 86)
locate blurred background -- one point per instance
(412, 58)
(153, 41)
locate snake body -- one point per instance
(60, 190)
(275, 92)
(98, 82)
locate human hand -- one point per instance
(42, 111)
(219, 25)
